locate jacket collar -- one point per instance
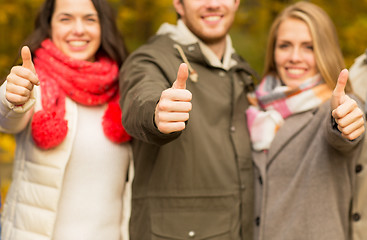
(285, 134)
(181, 34)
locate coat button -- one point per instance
(257, 221)
(222, 74)
(356, 217)
(260, 180)
(359, 168)
(233, 128)
(192, 234)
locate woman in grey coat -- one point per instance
(306, 131)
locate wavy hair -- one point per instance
(328, 55)
(112, 42)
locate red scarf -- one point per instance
(87, 83)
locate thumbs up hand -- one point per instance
(21, 80)
(345, 110)
(174, 105)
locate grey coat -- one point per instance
(304, 183)
(358, 78)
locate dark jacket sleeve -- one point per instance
(143, 77)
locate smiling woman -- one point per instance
(75, 29)
(62, 105)
(294, 55)
(306, 131)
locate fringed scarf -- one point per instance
(87, 83)
(272, 103)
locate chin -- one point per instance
(212, 39)
(295, 84)
(80, 57)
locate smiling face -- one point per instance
(210, 20)
(75, 29)
(294, 56)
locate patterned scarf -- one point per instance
(272, 103)
(87, 83)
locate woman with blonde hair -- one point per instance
(306, 131)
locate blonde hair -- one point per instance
(328, 55)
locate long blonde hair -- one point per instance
(328, 55)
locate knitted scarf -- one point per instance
(272, 103)
(87, 83)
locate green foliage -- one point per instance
(16, 22)
(139, 19)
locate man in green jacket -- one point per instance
(192, 152)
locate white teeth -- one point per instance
(296, 71)
(77, 43)
(212, 18)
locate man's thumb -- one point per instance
(182, 75)
(27, 59)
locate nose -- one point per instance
(213, 3)
(78, 27)
(296, 55)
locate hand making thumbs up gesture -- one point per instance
(174, 105)
(21, 80)
(345, 110)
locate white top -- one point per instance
(90, 205)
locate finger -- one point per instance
(173, 116)
(169, 127)
(19, 72)
(355, 134)
(339, 91)
(351, 126)
(341, 83)
(15, 98)
(172, 106)
(345, 108)
(177, 95)
(27, 59)
(18, 80)
(182, 76)
(19, 90)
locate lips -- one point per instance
(212, 19)
(78, 43)
(296, 71)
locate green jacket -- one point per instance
(198, 182)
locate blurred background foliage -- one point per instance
(139, 19)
